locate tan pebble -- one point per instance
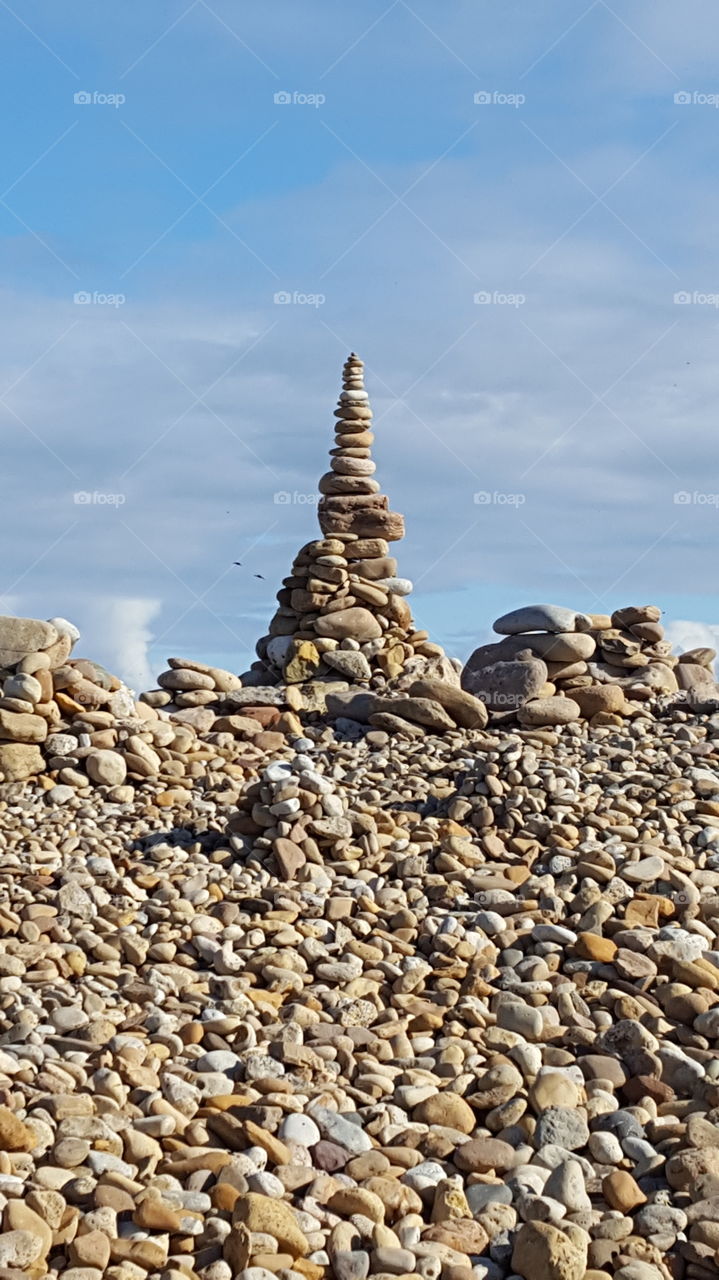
(352, 1200)
(448, 1110)
(263, 1213)
(90, 1250)
(14, 1134)
(622, 1192)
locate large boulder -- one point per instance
(564, 647)
(634, 613)
(703, 657)
(651, 681)
(505, 686)
(20, 636)
(694, 678)
(541, 617)
(466, 710)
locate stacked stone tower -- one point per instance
(343, 608)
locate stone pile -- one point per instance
(72, 725)
(343, 609)
(444, 1008)
(346, 972)
(554, 666)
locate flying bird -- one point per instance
(237, 562)
(259, 575)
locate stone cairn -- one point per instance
(343, 612)
(73, 726)
(554, 666)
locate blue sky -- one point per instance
(577, 195)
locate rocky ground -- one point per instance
(444, 1006)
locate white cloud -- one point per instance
(117, 632)
(693, 635)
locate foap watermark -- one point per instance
(685, 298)
(507, 701)
(297, 299)
(695, 499)
(695, 98)
(498, 299)
(485, 498)
(95, 299)
(97, 498)
(287, 98)
(283, 498)
(495, 98)
(94, 98)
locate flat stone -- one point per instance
(541, 617)
(18, 761)
(423, 711)
(21, 636)
(396, 586)
(356, 623)
(20, 726)
(645, 871)
(609, 698)
(549, 711)
(466, 710)
(396, 726)
(484, 1155)
(388, 525)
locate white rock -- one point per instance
(106, 767)
(396, 586)
(300, 1129)
(65, 628)
(22, 686)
